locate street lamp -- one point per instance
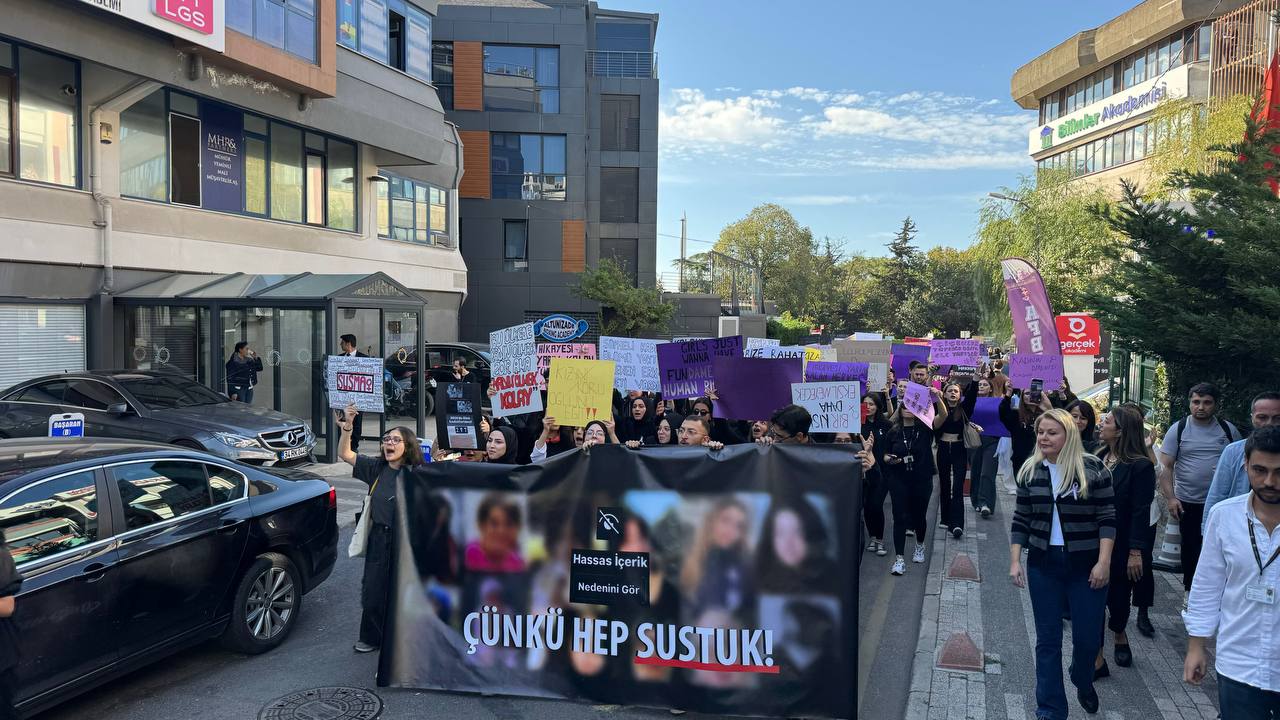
(1035, 226)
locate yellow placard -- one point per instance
(580, 391)
(812, 354)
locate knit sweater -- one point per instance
(1085, 520)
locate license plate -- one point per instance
(293, 453)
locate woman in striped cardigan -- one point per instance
(1066, 515)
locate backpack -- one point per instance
(1226, 430)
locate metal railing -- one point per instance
(736, 282)
(622, 63)
(1243, 41)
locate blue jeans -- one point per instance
(1238, 701)
(243, 393)
(1055, 586)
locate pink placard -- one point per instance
(1025, 368)
(194, 14)
(918, 400)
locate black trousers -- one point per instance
(874, 489)
(1122, 588)
(910, 494)
(7, 683)
(376, 585)
(953, 463)
(1144, 591)
(1192, 540)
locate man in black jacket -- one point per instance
(347, 343)
(242, 373)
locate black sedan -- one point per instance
(156, 406)
(133, 551)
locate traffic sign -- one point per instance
(66, 425)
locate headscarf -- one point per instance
(644, 429)
(513, 445)
(605, 428)
(675, 420)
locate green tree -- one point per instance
(895, 299)
(770, 242)
(1192, 288)
(1192, 137)
(948, 292)
(626, 310)
(789, 330)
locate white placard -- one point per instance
(354, 380)
(755, 346)
(877, 376)
(635, 362)
(835, 406)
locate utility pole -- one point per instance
(684, 223)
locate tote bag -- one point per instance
(360, 538)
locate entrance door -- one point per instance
(301, 378)
(257, 327)
(401, 340)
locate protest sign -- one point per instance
(986, 413)
(903, 355)
(557, 571)
(830, 371)
(877, 376)
(458, 416)
(819, 353)
(753, 388)
(546, 351)
(787, 351)
(867, 336)
(1024, 368)
(514, 371)
(867, 351)
(918, 399)
(835, 406)
(635, 362)
(755, 346)
(685, 367)
(580, 391)
(954, 352)
(354, 381)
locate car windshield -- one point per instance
(488, 358)
(168, 393)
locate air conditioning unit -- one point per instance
(729, 325)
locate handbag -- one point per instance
(360, 538)
(972, 438)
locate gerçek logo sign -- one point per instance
(1079, 334)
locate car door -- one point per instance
(65, 613)
(92, 398)
(178, 550)
(25, 413)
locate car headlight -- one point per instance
(237, 441)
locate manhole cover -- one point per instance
(327, 703)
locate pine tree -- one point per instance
(897, 296)
(1198, 289)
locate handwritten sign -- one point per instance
(786, 351)
(818, 353)
(1023, 368)
(580, 391)
(755, 346)
(867, 351)
(354, 380)
(919, 402)
(685, 367)
(514, 371)
(954, 352)
(635, 362)
(877, 375)
(517, 393)
(835, 406)
(823, 371)
(546, 351)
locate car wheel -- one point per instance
(266, 606)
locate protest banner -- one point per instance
(904, 355)
(986, 414)
(788, 351)
(835, 406)
(514, 371)
(954, 352)
(918, 399)
(354, 381)
(580, 391)
(867, 351)
(831, 371)
(635, 362)
(685, 367)
(546, 351)
(755, 346)
(458, 416)
(753, 388)
(599, 586)
(1024, 368)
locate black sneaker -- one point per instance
(1145, 627)
(1088, 700)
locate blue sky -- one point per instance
(851, 114)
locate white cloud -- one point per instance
(827, 200)
(809, 94)
(851, 98)
(695, 122)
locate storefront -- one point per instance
(191, 323)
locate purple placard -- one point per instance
(821, 371)
(753, 388)
(1024, 368)
(221, 166)
(986, 413)
(902, 355)
(954, 352)
(918, 400)
(685, 367)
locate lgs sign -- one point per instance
(194, 14)
(1079, 334)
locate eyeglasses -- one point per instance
(778, 435)
(686, 431)
(393, 440)
(703, 413)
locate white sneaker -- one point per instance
(943, 525)
(911, 533)
(918, 555)
(871, 545)
(880, 549)
(899, 566)
(985, 511)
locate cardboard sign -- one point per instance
(918, 400)
(864, 336)
(685, 367)
(753, 388)
(755, 346)
(354, 380)
(635, 362)
(877, 376)
(1024, 368)
(954, 352)
(820, 353)
(867, 351)
(833, 371)
(580, 391)
(546, 351)
(788, 351)
(835, 406)
(903, 355)
(986, 413)
(514, 371)
(458, 415)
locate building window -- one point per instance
(38, 116)
(393, 32)
(527, 167)
(6, 123)
(143, 129)
(1126, 146)
(620, 195)
(515, 246)
(184, 160)
(413, 211)
(289, 25)
(521, 79)
(623, 251)
(620, 122)
(442, 72)
(622, 36)
(1203, 41)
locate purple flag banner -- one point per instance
(954, 352)
(1025, 368)
(752, 388)
(902, 355)
(685, 367)
(986, 414)
(1033, 324)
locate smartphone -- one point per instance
(1036, 390)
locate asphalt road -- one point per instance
(210, 683)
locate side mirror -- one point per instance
(482, 365)
(118, 408)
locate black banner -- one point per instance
(458, 416)
(676, 577)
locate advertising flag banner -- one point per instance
(835, 406)
(354, 381)
(1033, 324)
(580, 391)
(514, 371)
(753, 388)
(1025, 368)
(685, 367)
(635, 362)
(606, 577)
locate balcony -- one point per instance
(622, 64)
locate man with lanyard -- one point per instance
(1230, 479)
(1235, 591)
(1188, 457)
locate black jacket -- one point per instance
(243, 371)
(1135, 488)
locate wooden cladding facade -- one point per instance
(475, 164)
(468, 76)
(573, 246)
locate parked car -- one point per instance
(156, 406)
(440, 356)
(133, 551)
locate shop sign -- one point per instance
(200, 22)
(1138, 100)
(560, 328)
(1079, 334)
(220, 164)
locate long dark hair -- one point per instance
(412, 450)
(674, 421)
(1131, 446)
(1090, 418)
(816, 539)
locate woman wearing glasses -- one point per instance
(398, 451)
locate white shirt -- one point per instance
(1248, 631)
(1055, 531)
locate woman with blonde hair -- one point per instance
(717, 572)
(1065, 514)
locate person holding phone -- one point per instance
(242, 373)
(908, 466)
